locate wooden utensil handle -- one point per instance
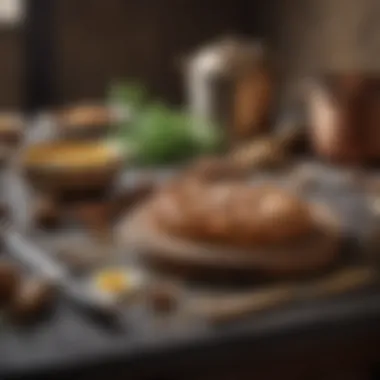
(341, 281)
(234, 307)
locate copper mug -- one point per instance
(344, 117)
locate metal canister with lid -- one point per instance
(230, 83)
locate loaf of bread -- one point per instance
(231, 213)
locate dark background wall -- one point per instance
(97, 41)
(101, 40)
(11, 68)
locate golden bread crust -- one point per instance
(231, 213)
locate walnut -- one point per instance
(33, 297)
(9, 281)
(163, 297)
(46, 212)
(94, 215)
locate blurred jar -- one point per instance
(231, 83)
(344, 117)
(372, 119)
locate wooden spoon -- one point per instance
(232, 307)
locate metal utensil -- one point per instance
(41, 262)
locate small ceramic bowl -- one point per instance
(72, 166)
(11, 128)
(84, 121)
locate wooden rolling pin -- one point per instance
(232, 307)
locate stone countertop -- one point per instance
(69, 341)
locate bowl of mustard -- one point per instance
(72, 166)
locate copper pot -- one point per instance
(344, 115)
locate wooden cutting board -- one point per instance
(138, 233)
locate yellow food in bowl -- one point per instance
(70, 155)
